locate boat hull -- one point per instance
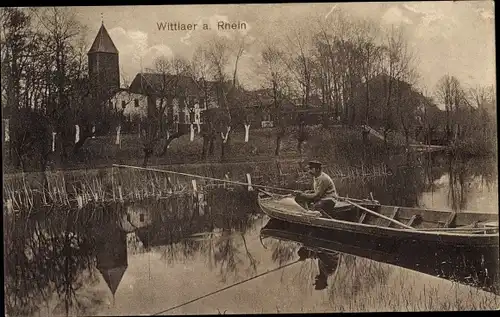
(378, 235)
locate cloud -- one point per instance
(135, 51)
(395, 16)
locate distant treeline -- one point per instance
(355, 71)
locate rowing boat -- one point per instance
(380, 224)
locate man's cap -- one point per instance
(314, 164)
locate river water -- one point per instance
(150, 256)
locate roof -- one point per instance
(158, 83)
(103, 43)
(113, 277)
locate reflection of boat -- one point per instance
(469, 265)
(432, 227)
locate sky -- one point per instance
(455, 38)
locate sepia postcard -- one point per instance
(249, 158)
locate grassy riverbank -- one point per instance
(341, 144)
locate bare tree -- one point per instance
(276, 78)
(397, 66)
(451, 94)
(370, 56)
(172, 85)
(199, 71)
(67, 89)
(220, 53)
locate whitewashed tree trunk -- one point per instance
(247, 132)
(249, 180)
(191, 137)
(225, 136)
(54, 141)
(7, 136)
(77, 133)
(118, 130)
(93, 132)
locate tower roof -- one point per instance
(103, 43)
(113, 277)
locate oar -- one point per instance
(376, 214)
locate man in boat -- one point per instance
(324, 193)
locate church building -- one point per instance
(181, 97)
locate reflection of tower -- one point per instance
(112, 259)
(135, 216)
(104, 69)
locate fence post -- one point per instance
(195, 189)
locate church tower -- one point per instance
(104, 69)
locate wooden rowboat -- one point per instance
(446, 228)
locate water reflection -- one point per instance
(468, 266)
(327, 264)
(145, 256)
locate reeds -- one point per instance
(80, 187)
(363, 285)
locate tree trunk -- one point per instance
(168, 141)
(84, 135)
(278, 145)
(204, 150)
(211, 145)
(279, 136)
(222, 153)
(148, 151)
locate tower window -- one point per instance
(124, 104)
(136, 102)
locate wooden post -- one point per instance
(93, 132)
(113, 182)
(120, 193)
(79, 200)
(201, 204)
(10, 207)
(195, 189)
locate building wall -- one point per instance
(133, 106)
(104, 71)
